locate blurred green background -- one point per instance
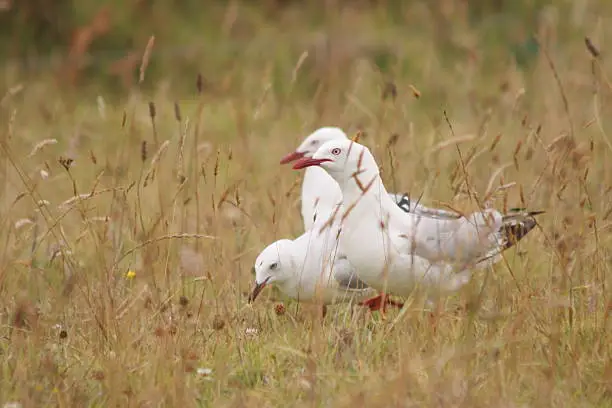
(100, 43)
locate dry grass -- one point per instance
(129, 230)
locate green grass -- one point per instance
(76, 330)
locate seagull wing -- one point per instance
(345, 276)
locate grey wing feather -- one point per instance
(408, 205)
(515, 225)
(345, 276)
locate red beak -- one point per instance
(308, 161)
(291, 157)
(257, 289)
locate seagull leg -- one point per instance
(388, 301)
(380, 302)
(374, 303)
(434, 315)
(433, 322)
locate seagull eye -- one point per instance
(274, 265)
(336, 151)
(314, 142)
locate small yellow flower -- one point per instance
(130, 274)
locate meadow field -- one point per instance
(137, 191)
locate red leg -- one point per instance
(373, 304)
(434, 317)
(433, 322)
(379, 303)
(399, 305)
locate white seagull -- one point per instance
(320, 193)
(395, 250)
(311, 269)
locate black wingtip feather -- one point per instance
(404, 203)
(513, 232)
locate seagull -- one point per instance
(320, 193)
(310, 268)
(396, 250)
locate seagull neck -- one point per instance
(366, 186)
(315, 181)
(319, 191)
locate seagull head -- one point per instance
(273, 265)
(312, 143)
(343, 160)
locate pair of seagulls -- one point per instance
(363, 242)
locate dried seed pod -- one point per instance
(279, 309)
(218, 323)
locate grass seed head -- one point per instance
(143, 151)
(591, 48)
(152, 110)
(177, 112)
(218, 323)
(146, 57)
(389, 91)
(199, 83)
(66, 162)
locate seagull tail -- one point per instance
(515, 226)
